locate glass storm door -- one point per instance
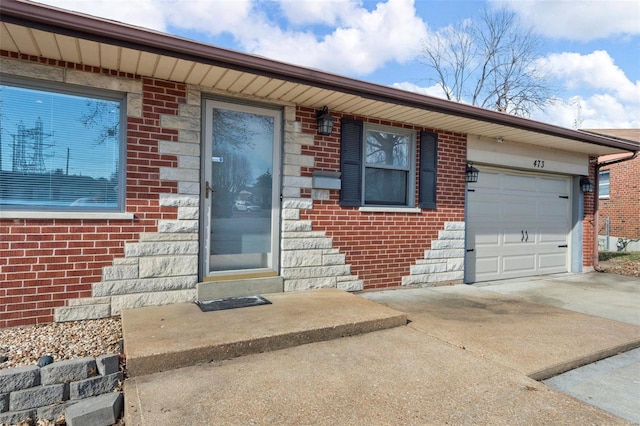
(241, 189)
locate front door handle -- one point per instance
(207, 188)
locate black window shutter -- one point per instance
(351, 162)
(428, 169)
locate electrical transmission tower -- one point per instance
(29, 149)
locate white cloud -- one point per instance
(325, 12)
(578, 20)
(363, 40)
(366, 41)
(594, 112)
(143, 13)
(209, 16)
(435, 90)
(595, 70)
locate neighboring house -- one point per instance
(619, 196)
(142, 169)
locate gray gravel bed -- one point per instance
(76, 339)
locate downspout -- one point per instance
(596, 203)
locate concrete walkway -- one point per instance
(464, 358)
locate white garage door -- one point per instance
(517, 225)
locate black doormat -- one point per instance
(231, 303)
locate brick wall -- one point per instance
(381, 247)
(623, 205)
(44, 262)
(588, 221)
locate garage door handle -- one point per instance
(563, 246)
(469, 250)
(527, 234)
(522, 239)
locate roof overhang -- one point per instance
(36, 30)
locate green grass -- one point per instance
(619, 256)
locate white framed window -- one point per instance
(603, 184)
(62, 147)
(389, 166)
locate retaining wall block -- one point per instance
(53, 412)
(15, 417)
(97, 411)
(4, 402)
(19, 378)
(68, 371)
(38, 396)
(94, 386)
(107, 364)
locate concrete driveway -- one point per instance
(616, 297)
(543, 327)
(465, 358)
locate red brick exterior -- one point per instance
(588, 222)
(380, 247)
(623, 205)
(44, 262)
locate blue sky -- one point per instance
(590, 50)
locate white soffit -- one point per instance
(24, 40)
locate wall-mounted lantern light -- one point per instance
(471, 173)
(586, 185)
(325, 122)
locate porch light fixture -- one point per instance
(471, 173)
(586, 185)
(325, 122)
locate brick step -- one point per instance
(131, 286)
(82, 312)
(168, 236)
(83, 301)
(454, 226)
(451, 235)
(138, 300)
(431, 279)
(447, 244)
(343, 282)
(161, 248)
(444, 253)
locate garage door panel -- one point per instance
(488, 237)
(552, 236)
(552, 210)
(518, 183)
(487, 266)
(552, 262)
(487, 211)
(511, 236)
(516, 223)
(553, 186)
(490, 180)
(521, 263)
(518, 209)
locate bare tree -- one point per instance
(103, 115)
(492, 63)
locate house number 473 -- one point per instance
(538, 164)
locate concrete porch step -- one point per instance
(174, 336)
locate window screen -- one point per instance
(60, 150)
